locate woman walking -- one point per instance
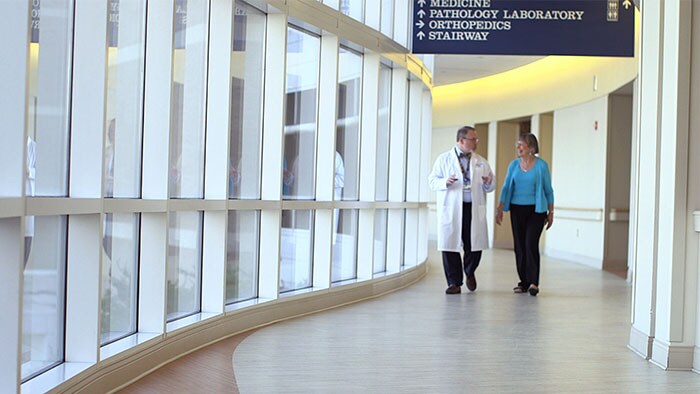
(527, 193)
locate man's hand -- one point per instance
(488, 178)
(452, 179)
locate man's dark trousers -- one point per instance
(451, 261)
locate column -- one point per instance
(664, 295)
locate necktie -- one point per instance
(465, 171)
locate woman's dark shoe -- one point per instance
(519, 290)
(533, 290)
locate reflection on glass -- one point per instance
(402, 231)
(405, 134)
(380, 228)
(120, 261)
(43, 301)
(242, 256)
(383, 132)
(125, 70)
(184, 264)
(246, 102)
(303, 51)
(353, 9)
(296, 260)
(348, 125)
(410, 248)
(387, 22)
(186, 173)
(48, 99)
(345, 246)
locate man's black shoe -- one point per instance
(471, 283)
(453, 289)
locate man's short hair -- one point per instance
(462, 132)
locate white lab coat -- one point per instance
(449, 201)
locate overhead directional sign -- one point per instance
(524, 27)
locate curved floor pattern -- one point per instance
(572, 337)
(208, 370)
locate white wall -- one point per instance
(578, 179)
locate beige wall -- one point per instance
(618, 183)
(505, 153)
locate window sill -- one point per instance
(189, 320)
(53, 377)
(344, 282)
(127, 343)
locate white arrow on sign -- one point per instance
(627, 4)
(421, 3)
(421, 13)
(420, 35)
(420, 24)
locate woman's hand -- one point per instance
(499, 215)
(550, 219)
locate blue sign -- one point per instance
(524, 27)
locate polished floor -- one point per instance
(571, 338)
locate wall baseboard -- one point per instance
(696, 359)
(640, 343)
(672, 357)
(576, 258)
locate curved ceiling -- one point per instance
(451, 69)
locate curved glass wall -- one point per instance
(303, 52)
(188, 99)
(208, 158)
(347, 140)
(246, 102)
(120, 263)
(43, 309)
(126, 39)
(48, 100)
(242, 256)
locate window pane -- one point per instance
(347, 140)
(188, 99)
(120, 262)
(380, 227)
(387, 23)
(344, 245)
(383, 132)
(296, 254)
(403, 237)
(405, 135)
(184, 264)
(242, 255)
(124, 118)
(43, 307)
(353, 8)
(246, 102)
(50, 64)
(300, 123)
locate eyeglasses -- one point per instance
(472, 139)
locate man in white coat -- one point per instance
(461, 178)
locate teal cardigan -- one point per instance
(544, 194)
